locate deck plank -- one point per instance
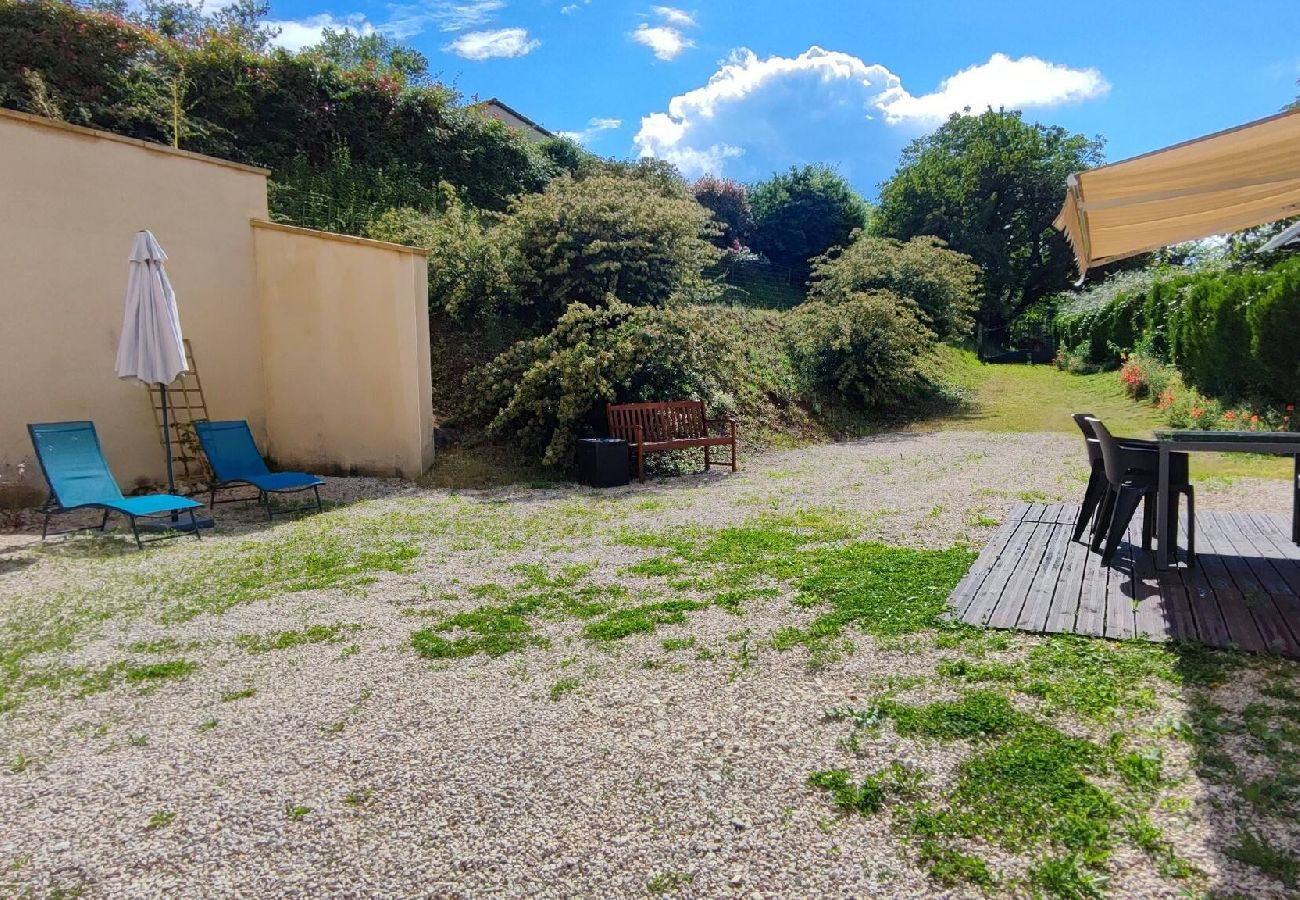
(1279, 576)
(969, 586)
(1160, 610)
(1046, 581)
(1243, 563)
(1244, 592)
(1201, 600)
(1007, 611)
(990, 592)
(1091, 618)
(1064, 609)
(1243, 631)
(1119, 596)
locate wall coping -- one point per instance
(43, 122)
(333, 236)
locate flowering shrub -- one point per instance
(943, 283)
(1145, 377)
(756, 365)
(867, 348)
(469, 268)
(1134, 376)
(545, 392)
(585, 239)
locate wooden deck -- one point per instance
(1244, 591)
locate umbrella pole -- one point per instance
(167, 443)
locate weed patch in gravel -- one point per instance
(285, 640)
(170, 670)
(1061, 802)
(640, 619)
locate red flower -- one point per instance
(1254, 418)
(1230, 416)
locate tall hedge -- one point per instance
(289, 112)
(1231, 335)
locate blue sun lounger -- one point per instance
(235, 460)
(79, 478)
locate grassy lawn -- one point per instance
(1026, 398)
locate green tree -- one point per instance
(990, 185)
(206, 81)
(803, 213)
(729, 202)
(349, 50)
(943, 284)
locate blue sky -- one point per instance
(745, 88)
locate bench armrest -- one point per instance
(731, 423)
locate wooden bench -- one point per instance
(670, 425)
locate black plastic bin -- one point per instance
(603, 462)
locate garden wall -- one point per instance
(71, 200)
(346, 326)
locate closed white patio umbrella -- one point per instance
(151, 349)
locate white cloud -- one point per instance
(593, 129)
(674, 16)
(295, 34)
(407, 20)
(501, 43)
(572, 8)
(758, 115)
(1022, 83)
(666, 43)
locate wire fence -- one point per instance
(291, 205)
(758, 283)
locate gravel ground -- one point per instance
(358, 768)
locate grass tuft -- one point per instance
(977, 715)
(284, 640)
(171, 670)
(640, 619)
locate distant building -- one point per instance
(531, 131)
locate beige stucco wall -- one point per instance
(345, 328)
(71, 200)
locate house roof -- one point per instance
(493, 101)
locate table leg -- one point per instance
(1162, 510)
(1295, 502)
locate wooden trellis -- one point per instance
(185, 406)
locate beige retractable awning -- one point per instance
(1217, 184)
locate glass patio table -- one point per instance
(1278, 443)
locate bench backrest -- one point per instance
(671, 420)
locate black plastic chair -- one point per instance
(1132, 477)
(1097, 484)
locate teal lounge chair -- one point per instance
(235, 460)
(79, 478)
